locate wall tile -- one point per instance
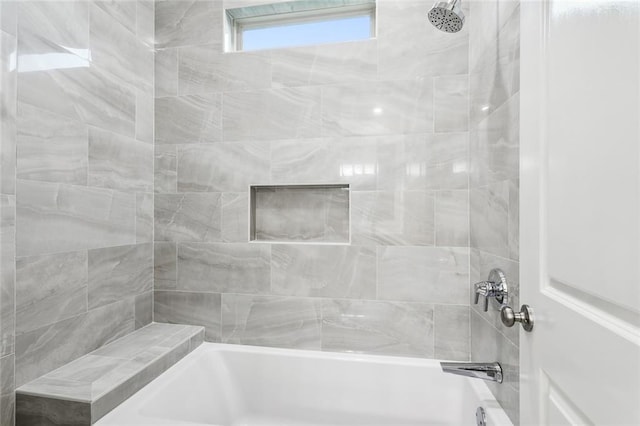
(49, 347)
(377, 108)
(386, 328)
(66, 218)
(392, 218)
(218, 268)
(51, 148)
(143, 309)
(165, 270)
(144, 218)
(114, 45)
(188, 119)
(119, 272)
(206, 68)
(187, 22)
(166, 72)
(8, 95)
(352, 160)
(49, 31)
(324, 64)
(222, 167)
(235, 217)
(7, 273)
(495, 76)
(514, 220)
(483, 34)
(323, 271)
(425, 274)
(165, 168)
(85, 94)
(406, 162)
(452, 218)
(7, 395)
(31, 410)
(119, 162)
(495, 145)
(61, 23)
(123, 12)
(449, 165)
(272, 114)
(271, 321)
(423, 161)
(489, 225)
(49, 289)
(452, 332)
(178, 307)
(8, 80)
(145, 114)
(402, 31)
(8, 17)
(451, 103)
(188, 217)
(145, 21)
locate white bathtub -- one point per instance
(241, 385)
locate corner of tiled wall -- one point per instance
(494, 58)
(395, 106)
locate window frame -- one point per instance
(236, 26)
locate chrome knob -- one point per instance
(524, 317)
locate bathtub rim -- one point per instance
(475, 389)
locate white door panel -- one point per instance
(580, 212)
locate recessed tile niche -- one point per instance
(300, 213)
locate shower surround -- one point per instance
(494, 87)
(388, 116)
(77, 181)
(100, 212)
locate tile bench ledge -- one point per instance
(84, 390)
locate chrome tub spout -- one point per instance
(479, 370)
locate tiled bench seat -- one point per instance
(81, 392)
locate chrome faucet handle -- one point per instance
(485, 289)
(495, 287)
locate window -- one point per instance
(298, 23)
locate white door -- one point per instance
(580, 212)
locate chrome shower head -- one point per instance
(447, 16)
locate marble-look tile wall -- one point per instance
(494, 59)
(388, 116)
(8, 76)
(76, 185)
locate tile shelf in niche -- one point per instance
(315, 214)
